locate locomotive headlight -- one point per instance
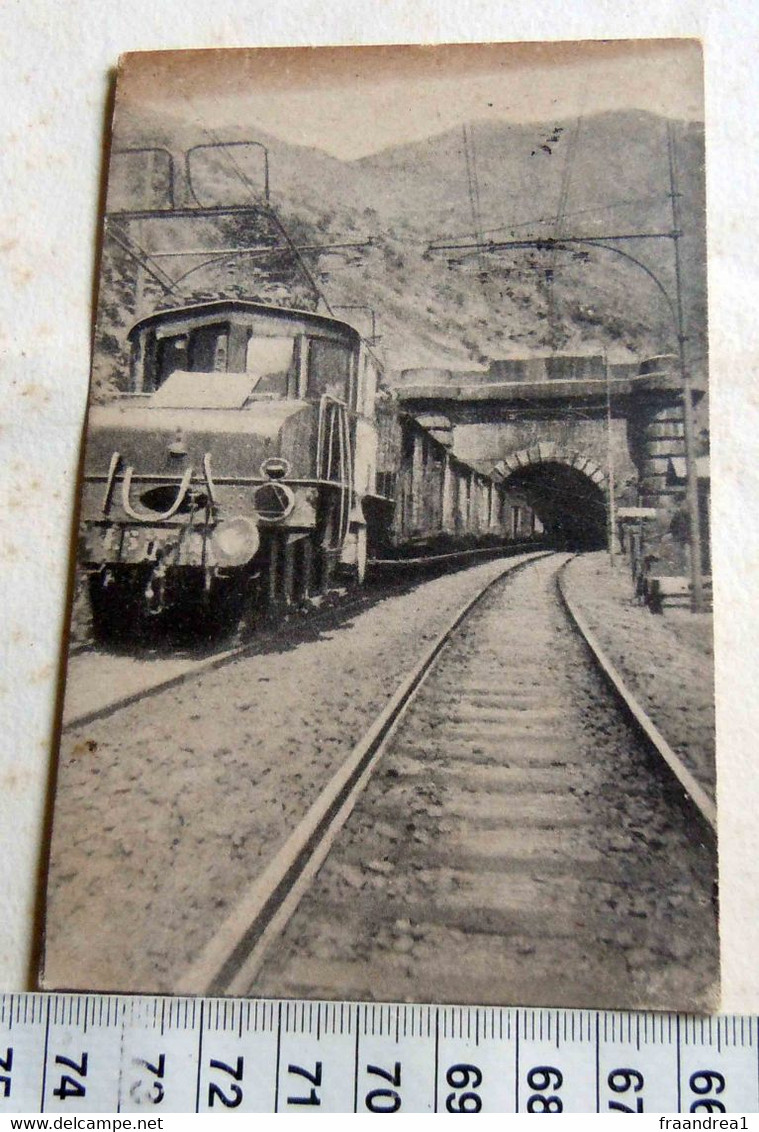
(235, 541)
(273, 501)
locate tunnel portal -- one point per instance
(570, 505)
(551, 426)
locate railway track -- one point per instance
(100, 682)
(502, 833)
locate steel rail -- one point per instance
(232, 957)
(261, 637)
(693, 793)
(195, 668)
(430, 559)
(231, 960)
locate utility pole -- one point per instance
(696, 582)
(607, 242)
(610, 462)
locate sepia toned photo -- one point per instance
(390, 668)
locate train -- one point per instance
(256, 460)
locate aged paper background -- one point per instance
(53, 81)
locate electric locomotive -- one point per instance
(237, 465)
(252, 462)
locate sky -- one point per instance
(351, 102)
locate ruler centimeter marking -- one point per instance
(79, 1053)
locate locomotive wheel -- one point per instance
(299, 581)
(282, 571)
(289, 564)
(328, 560)
(221, 609)
(305, 583)
(328, 555)
(251, 595)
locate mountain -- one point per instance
(451, 308)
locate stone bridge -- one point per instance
(555, 427)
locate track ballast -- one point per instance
(516, 844)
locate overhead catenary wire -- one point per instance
(536, 220)
(269, 252)
(143, 258)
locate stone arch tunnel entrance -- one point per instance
(551, 426)
(570, 505)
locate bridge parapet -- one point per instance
(445, 397)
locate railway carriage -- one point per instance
(439, 502)
(249, 463)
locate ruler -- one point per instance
(71, 1053)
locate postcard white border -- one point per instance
(52, 94)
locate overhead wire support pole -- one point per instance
(610, 461)
(691, 480)
(470, 159)
(675, 307)
(558, 228)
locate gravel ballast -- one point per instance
(168, 809)
(666, 660)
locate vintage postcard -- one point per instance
(390, 671)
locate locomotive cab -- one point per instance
(282, 355)
(241, 454)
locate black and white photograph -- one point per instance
(390, 662)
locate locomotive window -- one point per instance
(329, 369)
(171, 355)
(203, 350)
(209, 346)
(271, 362)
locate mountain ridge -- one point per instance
(454, 309)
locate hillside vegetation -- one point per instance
(451, 308)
